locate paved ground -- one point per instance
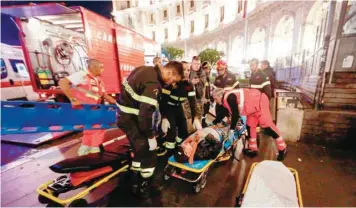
(327, 178)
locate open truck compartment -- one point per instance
(58, 41)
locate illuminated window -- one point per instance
(179, 30)
(192, 26)
(222, 13)
(152, 19)
(166, 33)
(128, 4)
(178, 9)
(239, 6)
(165, 13)
(192, 4)
(206, 21)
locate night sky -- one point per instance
(101, 7)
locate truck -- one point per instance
(57, 41)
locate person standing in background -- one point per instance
(198, 79)
(207, 99)
(259, 80)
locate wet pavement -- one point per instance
(327, 178)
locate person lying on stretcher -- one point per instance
(207, 143)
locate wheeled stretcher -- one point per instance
(271, 184)
(197, 172)
(88, 172)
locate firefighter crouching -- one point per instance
(255, 105)
(137, 103)
(88, 89)
(227, 81)
(173, 115)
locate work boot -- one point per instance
(250, 153)
(144, 194)
(161, 151)
(282, 154)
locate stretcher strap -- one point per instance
(20, 117)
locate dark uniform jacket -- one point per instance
(139, 96)
(271, 76)
(260, 80)
(200, 87)
(208, 89)
(170, 96)
(227, 80)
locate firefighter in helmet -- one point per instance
(227, 81)
(137, 103)
(88, 89)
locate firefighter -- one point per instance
(198, 79)
(259, 80)
(268, 70)
(227, 81)
(87, 88)
(137, 103)
(255, 105)
(173, 115)
(207, 99)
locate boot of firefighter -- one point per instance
(145, 192)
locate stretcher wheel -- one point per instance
(79, 203)
(45, 200)
(196, 188)
(203, 181)
(166, 177)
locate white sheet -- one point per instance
(271, 185)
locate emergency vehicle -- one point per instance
(57, 41)
(15, 79)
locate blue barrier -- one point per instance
(18, 117)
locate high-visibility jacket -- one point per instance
(91, 91)
(248, 101)
(170, 96)
(138, 96)
(259, 80)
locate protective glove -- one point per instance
(165, 125)
(152, 142)
(197, 124)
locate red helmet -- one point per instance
(221, 65)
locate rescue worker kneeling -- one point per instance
(138, 102)
(172, 112)
(255, 105)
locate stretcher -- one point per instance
(86, 173)
(271, 184)
(197, 172)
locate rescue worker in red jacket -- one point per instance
(259, 80)
(88, 89)
(227, 81)
(137, 103)
(255, 105)
(171, 108)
